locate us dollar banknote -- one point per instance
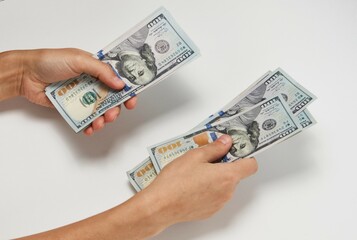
(276, 83)
(252, 131)
(142, 175)
(306, 119)
(142, 57)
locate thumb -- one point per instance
(100, 70)
(216, 150)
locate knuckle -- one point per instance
(228, 196)
(108, 67)
(196, 153)
(228, 183)
(78, 58)
(254, 165)
(231, 177)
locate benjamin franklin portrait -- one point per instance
(134, 58)
(244, 131)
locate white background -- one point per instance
(305, 187)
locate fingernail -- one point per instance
(119, 81)
(225, 139)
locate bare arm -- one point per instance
(11, 69)
(138, 218)
(189, 188)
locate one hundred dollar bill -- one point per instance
(142, 57)
(278, 82)
(216, 116)
(142, 175)
(304, 119)
(252, 131)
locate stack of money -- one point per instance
(142, 57)
(270, 111)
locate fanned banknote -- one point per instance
(143, 174)
(142, 57)
(219, 114)
(306, 119)
(278, 82)
(254, 130)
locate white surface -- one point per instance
(305, 187)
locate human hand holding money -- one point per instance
(193, 188)
(142, 57)
(270, 111)
(44, 66)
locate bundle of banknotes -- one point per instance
(270, 111)
(142, 57)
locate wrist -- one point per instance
(143, 214)
(11, 73)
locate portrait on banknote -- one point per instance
(134, 58)
(244, 131)
(147, 53)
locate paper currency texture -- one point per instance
(252, 131)
(142, 175)
(277, 83)
(142, 57)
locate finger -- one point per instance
(131, 103)
(214, 151)
(243, 167)
(45, 104)
(88, 131)
(111, 114)
(85, 63)
(42, 100)
(98, 123)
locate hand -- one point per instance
(45, 66)
(192, 187)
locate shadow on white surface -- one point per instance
(150, 106)
(282, 162)
(31, 110)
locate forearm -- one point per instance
(11, 71)
(137, 218)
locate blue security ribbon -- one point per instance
(213, 136)
(126, 88)
(100, 55)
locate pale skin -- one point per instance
(190, 188)
(27, 73)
